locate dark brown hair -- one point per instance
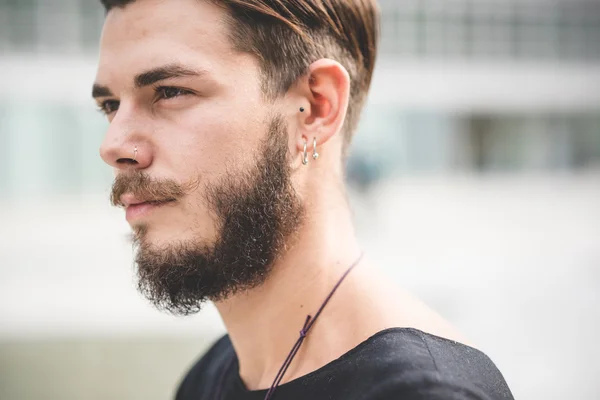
(288, 35)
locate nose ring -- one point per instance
(134, 153)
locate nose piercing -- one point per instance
(134, 153)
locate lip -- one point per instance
(130, 200)
(143, 209)
(136, 207)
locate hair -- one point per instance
(287, 36)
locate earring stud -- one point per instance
(301, 109)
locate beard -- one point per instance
(257, 211)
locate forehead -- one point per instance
(148, 33)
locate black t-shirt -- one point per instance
(396, 363)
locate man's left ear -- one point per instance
(327, 97)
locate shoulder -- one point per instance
(204, 372)
(425, 385)
(410, 364)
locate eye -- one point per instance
(109, 106)
(168, 92)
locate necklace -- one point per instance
(303, 332)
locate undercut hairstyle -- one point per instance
(286, 36)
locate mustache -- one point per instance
(150, 189)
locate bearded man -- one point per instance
(229, 126)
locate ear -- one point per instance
(326, 97)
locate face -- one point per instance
(202, 161)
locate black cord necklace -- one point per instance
(303, 332)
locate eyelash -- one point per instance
(160, 91)
(103, 107)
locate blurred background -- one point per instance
(475, 180)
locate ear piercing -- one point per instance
(305, 155)
(315, 155)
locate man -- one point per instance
(229, 123)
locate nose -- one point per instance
(125, 146)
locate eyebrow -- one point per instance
(100, 91)
(150, 77)
(165, 72)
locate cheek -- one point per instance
(203, 146)
(211, 143)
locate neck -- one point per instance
(264, 323)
